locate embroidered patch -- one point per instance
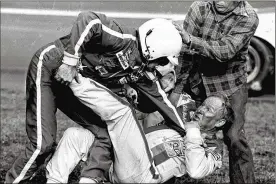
(123, 58)
(175, 148)
(101, 70)
(214, 152)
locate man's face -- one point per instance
(224, 7)
(211, 111)
(168, 82)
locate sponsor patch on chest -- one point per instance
(175, 148)
(101, 69)
(123, 57)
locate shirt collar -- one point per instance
(240, 9)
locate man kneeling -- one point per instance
(198, 153)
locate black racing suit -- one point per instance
(106, 50)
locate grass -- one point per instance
(260, 131)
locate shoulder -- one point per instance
(200, 8)
(249, 16)
(250, 11)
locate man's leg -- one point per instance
(73, 147)
(100, 157)
(131, 152)
(240, 156)
(40, 116)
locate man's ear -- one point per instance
(220, 123)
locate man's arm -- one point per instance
(183, 70)
(200, 161)
(87, 28)
(191, 25)
(228, 45)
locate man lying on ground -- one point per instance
(198, 153)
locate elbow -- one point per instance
(86, 15)
(225, 57)
(83, 15)
(194, 174)
(198, 171)
(227, 52)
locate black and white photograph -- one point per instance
(137, 92)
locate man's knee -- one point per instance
(69, 132)
(73, 132)
(77, 135)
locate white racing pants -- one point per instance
(75, 143)
(72, 148)
(133, 158)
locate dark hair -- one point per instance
(228, 112)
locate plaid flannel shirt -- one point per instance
(219, 44)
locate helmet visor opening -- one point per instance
(162, 61)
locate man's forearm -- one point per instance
(200, 161)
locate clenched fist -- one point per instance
(66, 74)
(131, 94)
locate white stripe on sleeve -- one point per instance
(105, 28)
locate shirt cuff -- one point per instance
(195, 44)
(70, 59)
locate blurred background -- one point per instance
(26, 26)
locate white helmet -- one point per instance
(159, 38)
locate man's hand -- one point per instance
(168, 82)
(174, 97)
(192, 124)
(131, 94)
(185, 36)
(66, 74)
